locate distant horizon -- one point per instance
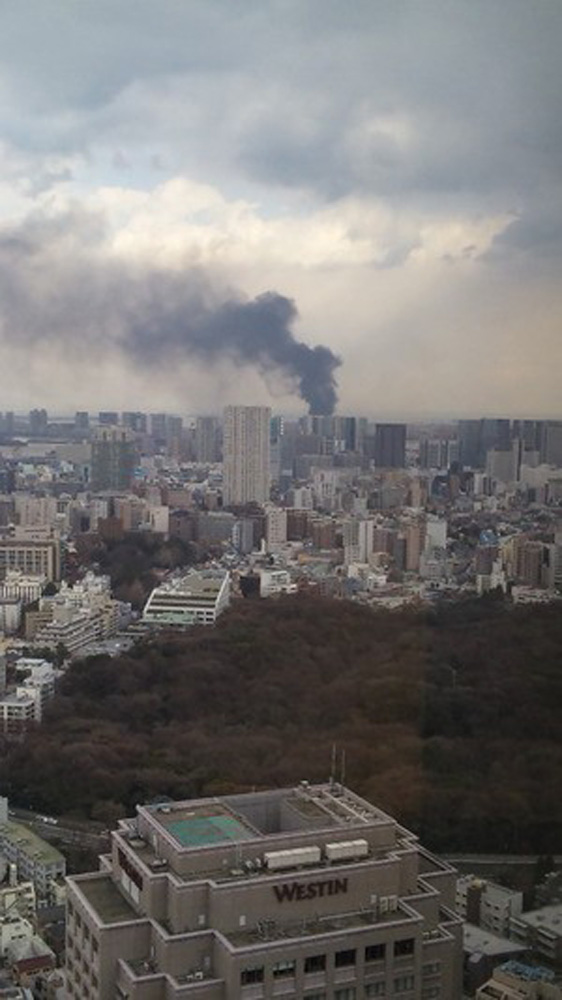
(69, 415)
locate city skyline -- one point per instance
(390, 175)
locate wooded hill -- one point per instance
(450, 719)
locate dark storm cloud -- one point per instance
(57, 289)
(404, 100)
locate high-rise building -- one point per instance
(390, 446)
(552, 443)
(82, 420)
(298, 893)
(207, 439)
(135, 421)
(108, 418)
(113, 458)
(38, 423)
(246, 454)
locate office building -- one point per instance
(552, 443)
(390, 446)
(246, 455)
(303, 892)
(135, 421)
(108, 418)
(30, 557)
(207, 439)
(113, 458)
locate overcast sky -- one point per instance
(394, 168)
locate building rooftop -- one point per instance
(30, 843)
(198, 826)
(105, 899)
(231, 838)
(259, 815)
(548, 917)
(529, 973)
(195, 584)
(477, 941)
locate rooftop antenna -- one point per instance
(333, 768)
(342, 780)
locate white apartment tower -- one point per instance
(246, 454)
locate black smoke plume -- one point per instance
(61, 285)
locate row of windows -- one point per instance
(402, 985)
(342, 959)
(317, 963)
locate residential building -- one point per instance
(487, 904)
(300, 892)
(24, 588)
(246, 461)
(17, 897)
(10, 615)
(276, 528)
(275, 581)
(35, 860)
(17, 712)
(39, 682)
(540, 931)
(517, 981)
(193, 599)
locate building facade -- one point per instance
(246, 462)
(113, 458)
(193, 599)
(307, 892)
(390, 446)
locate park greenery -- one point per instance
(449, 718)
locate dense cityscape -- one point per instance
(120, 528)
(280, 500)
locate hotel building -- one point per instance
(309, 892)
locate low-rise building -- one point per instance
(198, 598)
(516, 981)
(483, 951)
(36, 861)
(17, 712)
(487, 904)
(540, 931)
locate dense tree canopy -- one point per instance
(449, 719)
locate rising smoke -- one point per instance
(60, 286)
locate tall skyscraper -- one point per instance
(113, 458)
(207, 439)
(246, 454)
(390, 446)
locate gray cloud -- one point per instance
(299, 96)
(56, 288)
